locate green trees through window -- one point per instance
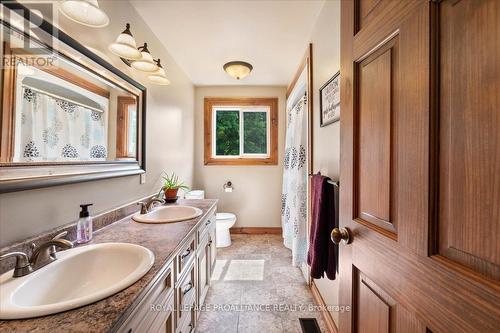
(228, 136)
(255, 132)
(227, 127)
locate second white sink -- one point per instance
(168, 214)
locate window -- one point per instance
(126, 127)
(241, 131)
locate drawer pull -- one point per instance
(208, 222)
(210, 242)
(185, 254)
(187, 288)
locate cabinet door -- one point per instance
(212, 251)
(203, 269)
(164, 321)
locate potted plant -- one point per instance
(171, 186)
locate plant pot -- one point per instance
(171, 194)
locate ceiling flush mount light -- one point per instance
(238, 69)
(86, 12)
(146, 63)
(159, 77)
(125, 46)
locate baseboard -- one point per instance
(330, 324)
(256, 230)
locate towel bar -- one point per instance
(331, 182)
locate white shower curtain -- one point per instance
(51, 130)
(294, 197)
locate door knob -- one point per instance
(341, 235)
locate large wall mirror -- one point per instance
(67, 116)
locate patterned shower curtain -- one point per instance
(294, 196)
(53, 129)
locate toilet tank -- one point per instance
(195, 194)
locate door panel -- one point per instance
(372, 310)
(469, 165)
(420, 173)
(364, 10)
(377, 84)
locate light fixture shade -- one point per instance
(160, 80)
(86, 12)
(146, 63)
(238, 69)
(160, 76)
(125, 46)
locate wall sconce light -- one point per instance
(86, 12)
(139, 58)
(125, 46)
(146, 63)
(159, 77)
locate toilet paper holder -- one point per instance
(228, 186)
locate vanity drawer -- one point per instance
(206, 225)
(185, 295)
(184, 256)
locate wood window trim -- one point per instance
(8, 106)
(122, 126)
(272, 103)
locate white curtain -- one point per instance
(294, 196)
(53, 129)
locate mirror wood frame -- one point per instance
(25, 176)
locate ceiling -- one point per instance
(203, 35)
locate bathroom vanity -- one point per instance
(180, 287)
(166, 299)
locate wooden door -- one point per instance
(420, 165)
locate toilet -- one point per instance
(224, 221)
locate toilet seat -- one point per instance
(224, 216)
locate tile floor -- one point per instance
(255, 271)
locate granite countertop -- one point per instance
(108, 314)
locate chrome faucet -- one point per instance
(41, 255)
(146, 206)
(45, 253)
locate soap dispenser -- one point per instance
(84, 226)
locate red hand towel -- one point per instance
(322, 254)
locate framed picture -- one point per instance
(329, 101)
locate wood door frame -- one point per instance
(306, 62)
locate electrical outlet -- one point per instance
(143, 178)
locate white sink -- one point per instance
(80, 276)
(168, 214)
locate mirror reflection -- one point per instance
(59, 111)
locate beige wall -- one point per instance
(256, 199)
(169, 139)
(326, 153)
